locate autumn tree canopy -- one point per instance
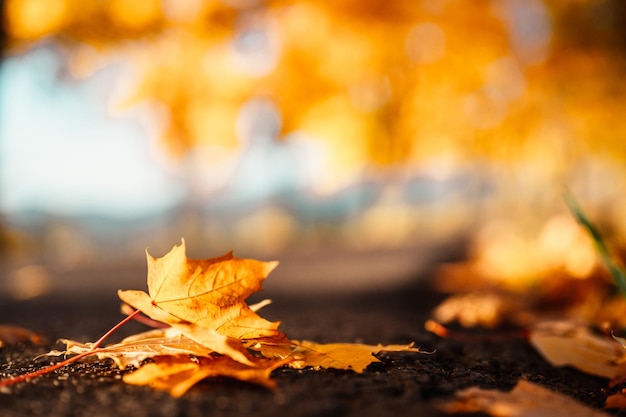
(377, 84)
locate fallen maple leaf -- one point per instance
(133, 350)
(354, 356)
(209, 293)
(206, 329)
(177, 373)
(13, 334)
(487, 309)
(525, 400)
(564, 343)
(617, 400)
(349, 356)
(205, 300)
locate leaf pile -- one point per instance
(204, 328)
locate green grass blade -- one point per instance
(617, 272)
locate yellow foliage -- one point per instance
(403, 82)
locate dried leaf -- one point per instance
(486, 309)
(564, 343)
(217, 342)
(352, 356)
(176, 374)
(209, 338)
(13, 334)
(133, 350)
(617, 400)
(211, 331)
(525, 400)
(208, 293)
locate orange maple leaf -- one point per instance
(176, 374)
(208, 293)
(211, 330)
(349, 356)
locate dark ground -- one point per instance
(403, 384)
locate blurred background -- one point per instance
(356, 142)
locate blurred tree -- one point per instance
(528, 82)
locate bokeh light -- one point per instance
(399, 122)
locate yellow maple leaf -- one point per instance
(354, 356)
(207, 293)
(211, 330)
(176, 374)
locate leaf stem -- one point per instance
(113, 329)
(126, 309)
(20, 378)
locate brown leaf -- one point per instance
(617, 400)
(525, 400)
(564, 343)
(136, 348)
(208, 293)
(176, 374)
(13, 334)
(486, 308)
(210, 331)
